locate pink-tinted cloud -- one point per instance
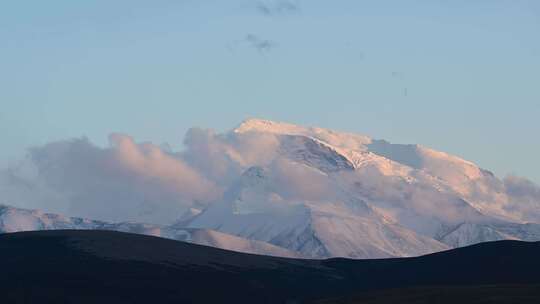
(125, 181)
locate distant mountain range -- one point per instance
(318, 193)
(16, 220)
(112, 267)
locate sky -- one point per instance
(458, 76)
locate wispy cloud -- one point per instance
(272, 8)
(524, 196)
(261, 45)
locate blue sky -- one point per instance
(459, 76)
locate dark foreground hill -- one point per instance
(114, 267)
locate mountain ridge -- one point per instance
(20, 220)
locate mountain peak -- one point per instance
(331, 137)
(264, 125)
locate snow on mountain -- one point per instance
(337, 139)
(471, 233)
(187, 217)
(17, 220)
(221, 240)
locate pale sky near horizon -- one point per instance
(458, 76)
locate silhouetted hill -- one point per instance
(112, 267)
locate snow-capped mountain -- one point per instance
(362, 198)
(18, 220)
(282, 189)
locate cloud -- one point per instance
(272, 8)
(20, 186)
(149, 163)
(125, 181)
(296, 181)
(129, 181)
(223, 157)
(524, 198)
(261, 45)
(415, 203)
(521, 187)
(210, 153)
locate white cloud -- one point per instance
(133, 181)
(299, 182)
(524, 197)
(125, 181)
